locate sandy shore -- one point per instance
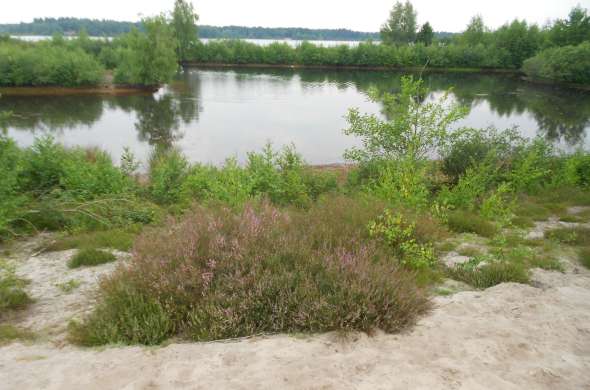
(510, 336)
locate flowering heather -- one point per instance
(218, 273)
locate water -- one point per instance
(214, 114)
(261, 42)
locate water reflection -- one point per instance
(245, 107)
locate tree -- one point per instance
(573, 31)
(148, 58)
(475, 32)
(426, 34)
(184, 23)
(518, 41)
(414, 130)
(400, 28)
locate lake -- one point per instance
(213, 114)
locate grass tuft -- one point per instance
(12, 293)
(490, 275)
(467, 222)
(91, 257)
(578, 236)
(584, 256)
(119, 239)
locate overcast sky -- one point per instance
(363, 15)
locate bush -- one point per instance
(168, 170)
(90, 258)
(216, 274)
(46, 64)
(489, 275)
(568, 64)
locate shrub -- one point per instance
(467, 222)
(578, 236)
(569, 64)
(168, 170)
(489, 275)
(400, 235)
(218, 274)
(91, 257)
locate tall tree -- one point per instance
(184, 22)
(400, 28)
(426, 34)
(475, 32)
(148, 58)
(572, 31)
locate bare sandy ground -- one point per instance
(510, 336)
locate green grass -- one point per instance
(91, 257)
(490, 275)
(9, 333)
(469, 251)
(578, 236)
(12, 293)
(467, 222)
(119, 239)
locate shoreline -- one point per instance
(112, 90)
(195, 64)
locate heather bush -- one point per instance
(218, 274)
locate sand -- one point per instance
(511, 336)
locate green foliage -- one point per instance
(414, 129)
(12, 293)
(567, 64)
(184, 22)
(425, 35)
(578, 236)
(476, 32)
(400, 235)
(168, 170)
(148, 58)
(489, 274)
(125, 316)
(572, 31)
(47, 64)
(468, 222)
(400, 28)
(90, 258)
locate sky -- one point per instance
(366, 15)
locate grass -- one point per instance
(119, 239)
(584, 257)
(91, 257)
(217, 274)
(466, 222)
(69, 286)
(490, 275)
(9, 333)
(577, 236)
(12, 293)
(469, 251)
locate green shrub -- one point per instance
(467, 222)
(168, 170)
(218, 274)
(489, 275)
(578, 236)
(47, 64)
(91, 257)
(400, 235)
(569, 64)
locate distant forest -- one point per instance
(94, 27)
